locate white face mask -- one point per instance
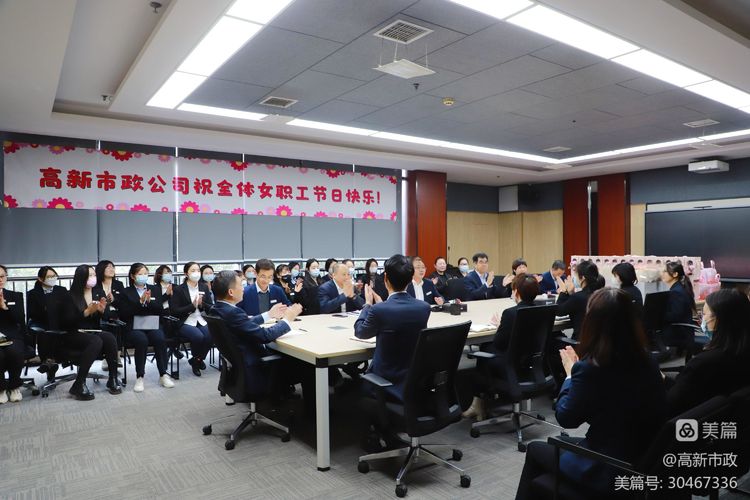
(194, 277)
(50, 282)
(373, 270)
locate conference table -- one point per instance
(326, 340)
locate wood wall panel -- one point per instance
(510, 245)
(472, 232)
(542, 239)
(575, 218)
(638, 229)
(426, 231)
(614, 216)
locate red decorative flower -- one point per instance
(217, 211)
(164, 158)
(303, 214)
(62, 203)
(333, 173)
(271, 167)
(239, 211)
(140, 207)
(165, 209)
(303, 170)
(10, 147)
(368, 215)
(392, 179)
(205, 161)
(239, 166)
(394, 215)
(190, 207)
(110, 206)
(284, 211)
(121, 155)
(137, 155)
(56, 150)
(9, 201)
(320, 214)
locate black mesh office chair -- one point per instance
(518, 374)
(717, 409)
(232, 381)
(430, 400)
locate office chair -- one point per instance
(518, 374)
(430, 401)
(172, 349)
(455, 289)
(717, 409)
(654, 308)
(28, 355)
(232, 382)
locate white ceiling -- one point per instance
(513, 89)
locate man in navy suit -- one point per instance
(395, 323)
(338, 294)
(420, 288)
(263, 296)
(251, 337)
(549, 279)
(479, 283)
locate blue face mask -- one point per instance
(208, 277)
(250, 275)
(314, 272)
(141, 279)
(576, 283)
(464, 268)
(295, 273)
(167, 278)
(705, 329)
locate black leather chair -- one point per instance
(654, 307)
(651, 464)
(232, 381)
(430, 401)
(522, 374)
(455, 289)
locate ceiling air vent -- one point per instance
(701, 123)
(277, 102)
(557, 149)
(402, 32)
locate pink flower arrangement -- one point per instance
(239, 166)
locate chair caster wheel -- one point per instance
(207, 430)
(175, 375)
(363, 467)
(457, 455)
(401, 490)
(474, 433)
(35, 392)
(541, 417)
(465, 481)
(285, 438)
(45, 394)
(229, 445)
(96, 380)
(522, 447)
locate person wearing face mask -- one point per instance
(264, 297)
(248, 270)
(141, 299)
(680, 306)
(374, 279)
(164, 278)
(462, 268)
(187, 303)
(524, 290)
(327, 271)
(310, 284)
(723, 366)
(625, 279)
(87, 314)
(573, 303)
(13, 327)
(356, 281)
(294, 271)
(480, 283)
(283, 278)
(420, 288)
(440, 276)
(339, 295)
(46, 303)
(207, 276)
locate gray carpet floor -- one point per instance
(150, 445)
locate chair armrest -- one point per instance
(688, 325)
(566, 340)
(88, 330)
(566, 443)
(38, 330)
(114, 323)
(172, 319)
(272, 357)
(480, 354)
(376, 380)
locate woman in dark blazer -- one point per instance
(624, 274)
(109, 287)
(680, 306)
(138, 300)
(187, 302)
(615, 387)
(309, 293)
(723, 366)
(87, 315)
(441, 275)
(13, 326)
(572, 303)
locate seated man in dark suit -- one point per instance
(395, 322)
(251, 336)
(261, 297)
(479, 283)
(338, 295)
(420, 288)
(549, 279)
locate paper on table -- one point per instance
(292, 333)
(371, 340)
(481, 327)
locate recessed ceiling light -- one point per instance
(659, 145)
(331, 127)
(723, 93)
(495, 8)
(224, 39)
(403, 68)
(701, 123)
(257, 11)
(175, 90)
(556, 149)
(568, 30)
(592, 156)
(660, 67)
(211, 110)
(498, 152)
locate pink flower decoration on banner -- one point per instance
(367, 176)
(239, 211)
(123, 206)
(205, 209)
(320, 214)
(205, 161)
(56, 150)
(368, 215)
(271, 167)
(165, 209)
(110, 206)
(140, 207)
(261, 212)
(239, 166)
(394, 215)
(164, 158)
(392, 179)
(10, 147)
(303, 214)
(217, 211)
(120, 155)
(79, 204)
(333, 173)
(90, 150)
(303, 170)
(61, 203)
(341, 216)
(189, 207)
(32, 145)
(9, 201)
(284, 211)
(38, 203)
(137, 155)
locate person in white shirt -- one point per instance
(186, 303)
(420, 288)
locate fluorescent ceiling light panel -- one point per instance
(175, 90)
(499, 9)
(723, 93)
(593, 156)
(409, 138)
(211, 110)
(746, 109)
(660, 145)
(660, 67)
(257, 11)
(331, 127)
(403, 68)
(571, 31)
(498, 152)
(224, 39)
(725, 135)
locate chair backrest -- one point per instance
(430, 397)
(654, 309)
(233, 368)
(455, 289)
(532, 330)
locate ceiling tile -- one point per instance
(339, 112)
(226, 94)
(482, 109)
(662, 100)
(575, 82)
(417, 107)
(567, 56)
(647, 85)
(450, 15)
(313, 88)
